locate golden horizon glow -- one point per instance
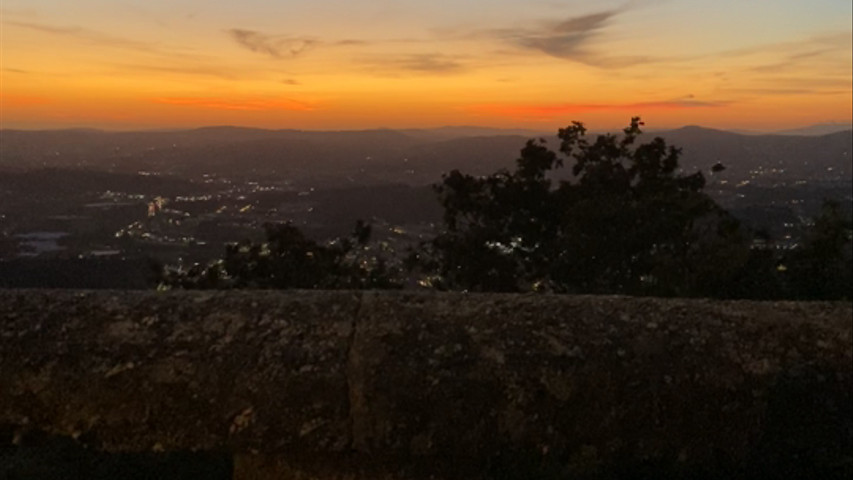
(331, 64)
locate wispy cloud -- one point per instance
(580, 39)
(285, 46)
(821, 43)
(351, 42)
(275, 46)
(565, 39)
(87, 35)
(217, 71)
(789, 67)
(573, 39)
(436, 63)
(238, 104)
(780, 91)
(789, 61)
(547, 111)
(569, 39)
(809, 82)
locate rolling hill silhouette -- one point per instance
(414, 157)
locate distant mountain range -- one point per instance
(415, 157)
(822, 129)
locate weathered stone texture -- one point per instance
(449, 385)
(585, 380)
(150, 371)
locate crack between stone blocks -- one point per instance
(354, 377)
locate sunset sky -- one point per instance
(347, 64)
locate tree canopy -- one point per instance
(822, 268)
(630, 223)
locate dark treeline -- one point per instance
(629, 222)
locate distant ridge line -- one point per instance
(444, 131)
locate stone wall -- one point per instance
(425, 385)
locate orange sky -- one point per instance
(334, 64)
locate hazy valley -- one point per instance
(74, 199)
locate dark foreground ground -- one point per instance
(313, 385)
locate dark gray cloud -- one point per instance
(585, 23)
(276, 46)
(569, 39)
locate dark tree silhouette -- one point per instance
(822, 268)
(288, 259)
(631, 223)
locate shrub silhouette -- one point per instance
(288, 259)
